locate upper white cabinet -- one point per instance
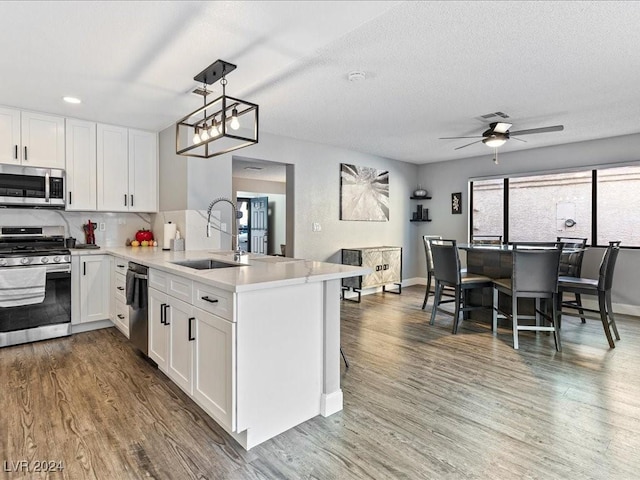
(127, 169)
(29, 138)
(81, 165)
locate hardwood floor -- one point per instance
(419, 403)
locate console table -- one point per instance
(386, 268)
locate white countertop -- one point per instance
(254, 272)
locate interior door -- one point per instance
(258, 227)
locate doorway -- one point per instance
(264, 195)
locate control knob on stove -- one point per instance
(3, 262)
(25, 260)
(56, 259)
(45, 260)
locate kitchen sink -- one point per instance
(205, 264)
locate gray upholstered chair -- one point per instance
(534, 275)
(600, 287)
(573, 249)
(486, 239)
(447, 273)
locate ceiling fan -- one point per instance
(498, 133)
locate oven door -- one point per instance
(49, 319)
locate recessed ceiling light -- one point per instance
(253, 168)
(71, 100)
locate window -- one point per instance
(618, 199)
(600, 205)
(488, 206)
(544, 207)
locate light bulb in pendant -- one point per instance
(204, 136)
(214, 132)
(235, 124)
(196, 137)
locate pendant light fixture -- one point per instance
(220, 126)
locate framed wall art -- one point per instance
(364, 193)
(456, 203)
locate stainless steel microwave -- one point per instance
(31, 187)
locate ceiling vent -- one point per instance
(493, 116)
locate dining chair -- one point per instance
(535, 268)
(486, 239)
(447, 273)
(571, 262)
(429, 260)
(600, 287)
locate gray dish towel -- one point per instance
(136, 291)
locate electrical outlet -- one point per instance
(102, 227)
(316, 227)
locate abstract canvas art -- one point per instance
(364, 193)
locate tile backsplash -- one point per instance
(118, 227)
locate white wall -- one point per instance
(444, 178)
(316, 191)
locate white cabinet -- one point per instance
(94, 273)
(127, 169)
(158, 329)
(194, 347)
(10, 151)
(30, 138)
(181, 323)
(81, 168)
(119, 308)
(214, 365)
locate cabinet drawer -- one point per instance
(178, 287)
(120, 266)
(121, 288)
(121, 317)
(213, 300)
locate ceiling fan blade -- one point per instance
(516, 138)
(458, 148)
(501, 127)
(452, 138)
(554, 128)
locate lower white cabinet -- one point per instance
(195, 348)
(119, 307)
(93, 273)
(214, 364)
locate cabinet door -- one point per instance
(181, 324)
(143, 171)
(373, 260)
(81, 165)
(214, 366)
(113, 166)
(95, 273)
(10, 151)
(42, 140)
(158, 330)
(392, 266)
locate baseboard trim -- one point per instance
(331, 403)
(86, 327)
(620, 308)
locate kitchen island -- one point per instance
(256, 345)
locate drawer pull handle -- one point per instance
(210, 300)
(120, 266)
(120, 316)
(191, 337)
(120, 288)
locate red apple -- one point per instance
(143, 235)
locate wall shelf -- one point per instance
(420, 212)
(427, 220)
(420, 198)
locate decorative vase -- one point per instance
(420, 192)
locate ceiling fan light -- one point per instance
(494, 141)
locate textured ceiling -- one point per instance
(432, 68)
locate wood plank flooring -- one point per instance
(420, 403)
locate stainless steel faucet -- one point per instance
(237, 253)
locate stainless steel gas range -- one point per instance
(35, 284)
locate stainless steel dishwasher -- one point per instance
(137, 296)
